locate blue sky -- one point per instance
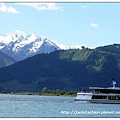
(90, 24)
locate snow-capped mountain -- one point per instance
(20, 46)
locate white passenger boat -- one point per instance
(110, 95)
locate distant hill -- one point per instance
(5, 60)
(64, 69)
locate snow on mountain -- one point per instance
(36, 46)
(61, 46)
(11, 37)
(22, 41)
(20, 46)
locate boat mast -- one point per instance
(113, 83)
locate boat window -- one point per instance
(107, 91)
(99, 97)
(113, 97)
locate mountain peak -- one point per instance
(17, 33)
(20, 46)
(34, 35)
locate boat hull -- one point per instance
(105, 101)
(91, 98)
(100, 101)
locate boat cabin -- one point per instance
(105, 90)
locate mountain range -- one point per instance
(25, 66)
(66, 70)
(20, 46)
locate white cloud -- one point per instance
(85, 6)
(94, 25)
(9, 9)
(43, 6)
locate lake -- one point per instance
(32, 106)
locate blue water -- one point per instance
(53, 106)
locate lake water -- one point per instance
(31, 106)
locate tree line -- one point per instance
(57, 92)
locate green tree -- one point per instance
(62, 92)
(57, 91)
(45, 90)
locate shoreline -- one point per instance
(39, 94)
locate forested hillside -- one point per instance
(64, 70)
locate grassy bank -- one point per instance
(41, 94)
